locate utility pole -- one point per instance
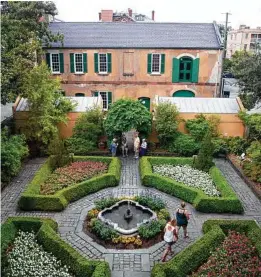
(221, 85)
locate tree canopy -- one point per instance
(23, 34)
(127, 114)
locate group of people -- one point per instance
(172, 228)
(140, 149)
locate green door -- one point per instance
(183, 93)
(145, 101)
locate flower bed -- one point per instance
(148, 234)
(72, 174)
(235, 257)
(189, 176)
(215, 231)
(32, 199)
(226, 203)
(31, 247)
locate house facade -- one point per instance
(136, 60)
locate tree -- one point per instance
(247, 69)
(205, 156)
(23, 34)
(127, 114)
(166, 122)
(47, 106)
(253, 122)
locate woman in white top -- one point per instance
(136, 145)
(170, 237)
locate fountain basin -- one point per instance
(114, 216)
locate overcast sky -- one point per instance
(243, 12)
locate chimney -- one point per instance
(130, 12)
(106, 15)
(99, 16)
(153, 15)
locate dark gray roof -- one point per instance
(137, 35)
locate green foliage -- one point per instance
(220, 146)
(127, 114)
(59, 155)
(102, 230)
(46, 235)
(151, 229)
(166, 122)
(227, 203)
(164, 214)
(253, 122)
(184, 145)
(22, 37)
(13, 150)
(80, 146)
(155, 204)
(31, 199)
(236, 145)
(197, 127)
(205, 156)
(247, 69)
(47, 105)
(188, 260)
(105, 203)
(227, 65)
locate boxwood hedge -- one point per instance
(46, 235)
(31, 199)
(227, 203)
(190, 259)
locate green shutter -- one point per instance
(48, 59)
(85, 64)
(96, 65)
(149, 64)
(175, 70)
(61, 63)
(109, 98)
(95, 93)
(195, 69)
(109, 62)
(162, 68)
(72, 62)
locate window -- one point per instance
(78, 63)
(106, 98)
(155, 65)
(55, 63)
(185, 69)
(103, 68)
(79, 94)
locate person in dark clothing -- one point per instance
(182, 216)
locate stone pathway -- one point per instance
(125, 263)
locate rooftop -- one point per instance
(137, 35)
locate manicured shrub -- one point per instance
(164, 214)
(184, 145)
(80, 146)
(102, 230)
(237, 145)
(105, 203)
(220, 147)
(154, 203)
(102, 270)
(13, 151)
(204, 160)
(198, 127)
(151, 229)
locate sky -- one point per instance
(242, 11)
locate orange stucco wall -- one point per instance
(140, 84)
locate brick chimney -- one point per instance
(130, 12)
(99, 16)
(106, 15)
(153, 15)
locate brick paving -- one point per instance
(125, 263)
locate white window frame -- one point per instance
(51, 61)
(107, 99)
(74, 58)
(155, 72)
(103, 72)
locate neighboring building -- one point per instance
(129, 16)
(137, 60)
(243, 38)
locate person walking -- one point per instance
(114, 147)
(182, 216)
(124, 146)
(143, 148)
(170, 237)
(136, 145)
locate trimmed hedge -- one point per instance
(31, 199)
(46, 235)
(190, 259)
(227, 203)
